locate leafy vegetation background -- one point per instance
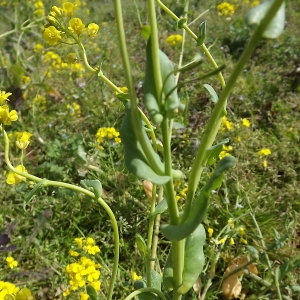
(63, 106)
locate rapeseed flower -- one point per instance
(69, 8)
(23, 140)
(6, 116)
(52, 36)
(210, 232)
(135, 277)
(264, 152)
(13, 178)
(11, 262)
(76, 26)
(39, 9)
(38, 48)
(225, 9)
(4, 97)
(226, 125)
(174, 39)
(8, 290)
(222, 241)
(75, 109)
(107, 133)
(93, 29)
(231, 241)
(246, 122)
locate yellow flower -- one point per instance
(79, 242)
(76, 26)
(57, 10)
(174, 39)
(69, 8)
(255, 3)
(75, 109)
(246, 122)
(223, 154)
(51, 35)
(11, 262)
(230, 222)
(92, 30)
(23, 294)
(264, 152)
(135, 277)
(242, 230)
(23, 140)
(226, 125)
(265, 163)
(210, 232)
(243, 241)
(227, 148)
(231, 241)
(38, 48)
(225, 9)
(222, 241)
(6, 116)
(13, 178)
(84, 296)
(8, 290)
(73, 253)
(4, 96)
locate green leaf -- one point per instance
(253, 252)
(181, 22)
(156, 280)
(177, 125)
(199, 205)
(213, 152)
(141, 244)
(256, 14)
(33, 192)
(92, 292)
(194, 259)
(202, 34)
(146, 31)
(95, 185)
(81, 154)
(213, 95)
(161, 207)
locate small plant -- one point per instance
(146, 136)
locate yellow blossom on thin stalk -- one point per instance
(124, 89)
(75, 109)
(69, 8)
(93, 29)
(226, 125)
(23, 140)
(13, 178)
(107, 133)
(76, 26)
(52, 36)
(11, 262)
(210, 232)
(6, 116)
(231, 241)
(222, 241)
(4, 97)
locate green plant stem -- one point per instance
(267, 256)
(155, 48)
(77, 189)
(150, 266)
(146, 290)
(133, 99)
(219, 109)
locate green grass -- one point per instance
(267, 94)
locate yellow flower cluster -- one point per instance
(225, 151)
(40, 102)
(174, 39)
(57, 31)
(8, 290)
(135, 277)
(246, 122)
(6, 116)
(23, 138)
(13, 178)
(11, 262)
(226, 125)
(182, 194)
(107, 133)
(39, 9)
(225, 9)
(263, 153)
(84, 271)
(74, 109)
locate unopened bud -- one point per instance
(51, 20)
(58, 11)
